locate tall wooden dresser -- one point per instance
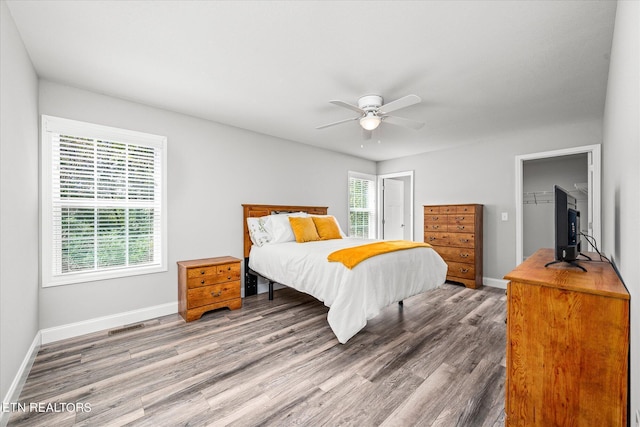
(567, 344)
(455, 232)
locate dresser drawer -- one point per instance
(460, 223)
(436, 222)
(464, 240)
(205, 295)
(464, 271)
(462, 209)
(431, 210)
(464, 255)
(436, 239)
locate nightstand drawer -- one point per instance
(206, 295)
(228, 272)
(203, 281)
(212, 275)
(211, 270)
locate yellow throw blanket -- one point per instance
(351, 257)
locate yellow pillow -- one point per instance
(327, 227)
(304, 229)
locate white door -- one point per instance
(393, 209)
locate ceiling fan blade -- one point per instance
(338, 122)
(347, 105)
(401, 121)
(403, 102)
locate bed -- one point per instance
(353, 295)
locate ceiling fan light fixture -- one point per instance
(370, 121)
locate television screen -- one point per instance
(567, 225)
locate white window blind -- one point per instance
(362, 205)
(104, 198)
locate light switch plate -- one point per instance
(505, 216)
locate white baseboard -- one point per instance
(72, 330)
(13, 394)
(495, 283)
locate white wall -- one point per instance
(18, 201)
(484, 172)
(212, 170)
(621, 156)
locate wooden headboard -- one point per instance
(263, 210)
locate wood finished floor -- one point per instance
(439, 361)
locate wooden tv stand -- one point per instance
(567, 344)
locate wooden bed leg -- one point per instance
(270, 290)
(401, 303)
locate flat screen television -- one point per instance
(567, 227)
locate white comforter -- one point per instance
(353, 296)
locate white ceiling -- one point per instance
(480, 67)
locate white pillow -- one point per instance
(258, 232)
(337, 223)
(279, 227)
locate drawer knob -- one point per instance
(461, 227)
(464, 240)
(229, 268)
(216, 294)
(464, 255)
(431, 238)
(435, 227)
(435, 218)
(464, 270)
(229, 278)
(460, 218)
(202, 281)
(201, 271)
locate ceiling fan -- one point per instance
(373, 111)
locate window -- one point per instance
(103, 202)
(362, 205)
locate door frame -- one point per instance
(594, 190)
(408, 203)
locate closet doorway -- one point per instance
(577, 170)
(396, 206)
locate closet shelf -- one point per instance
(542, 197)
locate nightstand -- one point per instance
(207, 284)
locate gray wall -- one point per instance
(18, 201)
(212, 170)
(621, 156)
(484, 172)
